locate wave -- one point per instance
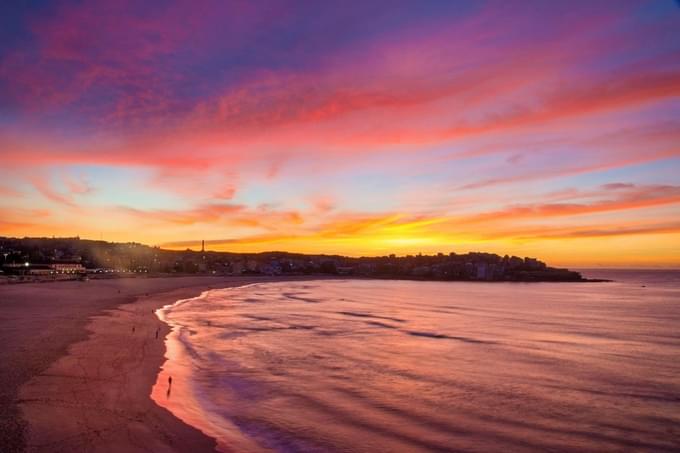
(421, 366)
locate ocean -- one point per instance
(410, 366)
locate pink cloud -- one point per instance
(42, 185)
(223, 214)
(635, 197)
(78, 186)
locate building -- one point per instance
(40, 269)
(16, 268)
(345, 270)
(67, 268)
(482, 271)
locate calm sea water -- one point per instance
(374, 366)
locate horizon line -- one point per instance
(198, 243)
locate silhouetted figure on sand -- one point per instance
(157, 332)
(133, 329)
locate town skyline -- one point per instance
(203, 246)
(47, 259)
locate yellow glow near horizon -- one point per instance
(640, 251)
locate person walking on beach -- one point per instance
(157, 329)
(169, 381)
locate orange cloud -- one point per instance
(585, 232)
(9, 192)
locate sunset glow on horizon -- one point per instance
(546, 129)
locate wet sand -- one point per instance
(75, 377)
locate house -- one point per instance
(67, 268)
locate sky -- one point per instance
(532, 128)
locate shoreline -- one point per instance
(74, 375)
(55, 321)
(96, 394)
(7, 280)
(100, 389)
(178, 397)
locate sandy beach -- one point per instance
(79, 359)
